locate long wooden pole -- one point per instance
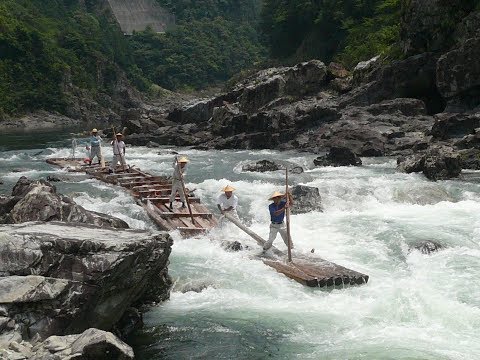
(287, 216)
(185, 192)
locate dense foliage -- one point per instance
(349, 30)
(48, 46)
(213, 40)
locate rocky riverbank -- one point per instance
(401, 108)
(74, 273)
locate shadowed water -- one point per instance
(231, 306)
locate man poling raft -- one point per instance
(95, 147)
(227, 202)
(179, 167)
(277, 211)
(118, 152)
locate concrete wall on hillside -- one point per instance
(139, 14)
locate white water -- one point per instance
(229, 305)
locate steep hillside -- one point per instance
(53, 52)
(213, 40)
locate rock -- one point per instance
(364, 71)
(267, 85)
(91, 344)
(306, 199)
(152, 144)
(438, 163)
(458, 74)
(469, 28)
(131, 320)
(336, 70)
(454, 125)
(262, 166)
(52, 178)
(84, 276)
(40, 202)
(428, 26)
(338, 156)
(414, 77)
(470, 159)
(342, 85)
(233, 246)
(428, 247)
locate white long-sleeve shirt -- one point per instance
(118, 147)
(177, 173)
(225, 202)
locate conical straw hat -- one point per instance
(119, 134)
(276, 194)
(228, 188)
(183, 159)
(94, 130)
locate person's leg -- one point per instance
(114, 162)
(283, 233)
(271, 236)
(173, 193)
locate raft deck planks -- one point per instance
(151, 192)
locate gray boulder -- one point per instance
(39, 201)
(91, 344)
(338, 156)
(58, 278)
(458, 74)
(267, 165)
(306, 199)
(437, 163)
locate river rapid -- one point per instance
(229, 305)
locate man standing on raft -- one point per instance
(277, 215)
(95, 147)
(178, 172)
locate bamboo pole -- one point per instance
(287, 216)
(185, 191)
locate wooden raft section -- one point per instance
(151, 192)
(312, 272)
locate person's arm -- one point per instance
(219, 204)
(124, 149)
(281, 210)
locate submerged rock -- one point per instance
(268, 165)
(428, 247)
(306, 199)
(338, 156)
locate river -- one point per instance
(229, 305)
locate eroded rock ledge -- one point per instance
(58, 278)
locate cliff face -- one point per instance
(139, 14)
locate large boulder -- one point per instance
(437, 163)
(338, 156)
(84, 276)
(306, 199)
(91, 344)
(454, 125)
(458, 75)
(267, 165)
(39, 201)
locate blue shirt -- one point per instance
(95, 141)
(272, 207)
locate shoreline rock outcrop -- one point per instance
(38, 201)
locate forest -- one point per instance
(48, 47)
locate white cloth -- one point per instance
(177, 186)
(118, 147)
(225, 202)
(274, 230)
(117, 159)
(177, 173)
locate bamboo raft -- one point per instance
(312, 272)
(152, 193)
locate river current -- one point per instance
(229, 305)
